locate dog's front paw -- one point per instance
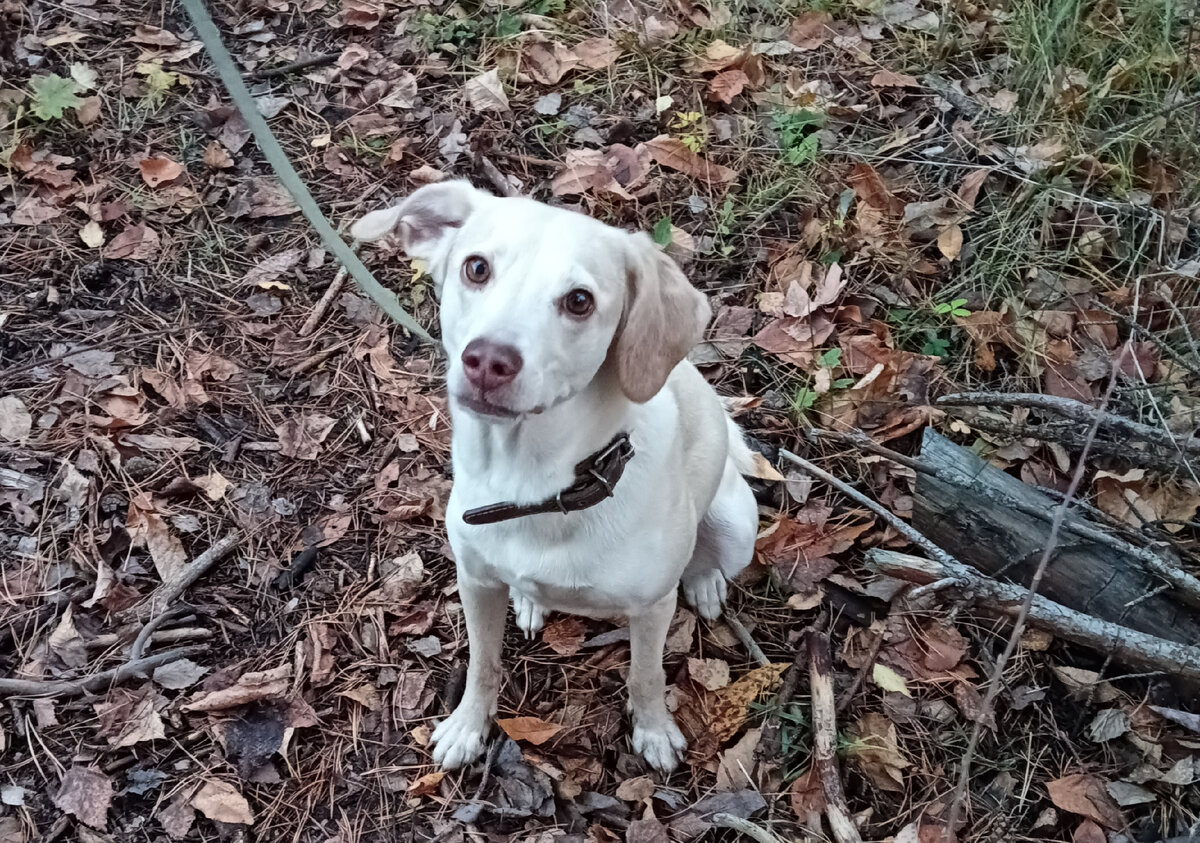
(458, 740)
(705, 592)
(531, 616)
(660, 742)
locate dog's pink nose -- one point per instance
(489, 365)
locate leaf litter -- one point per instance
(156, 391)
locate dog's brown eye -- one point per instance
(579, 303)
(476, 270)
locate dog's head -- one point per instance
(536, 301)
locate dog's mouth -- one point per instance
(486, 408)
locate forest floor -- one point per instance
(886, 202)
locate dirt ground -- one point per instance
(887, 202)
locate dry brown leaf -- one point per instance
(85, 793)
(159, 170)
(1085, 795)
(547, 62)
(272, 266)
(735, 768)
(727, 84)
(711, 720)
(177, 817)
(15, 421)
(968, 191)
(648, 830)
(950, 242)
(869, 188)
(150, 530)
(1088, 832)
(249, 688)
(223, 802)
(427, 785)
(136, 243)
(674, 154)
(807, 795)
(216, 157)
(534, 730)
(810, 30)
(128, 718)
(486, 93)
(301, 437)
(400, 578)
(637, 789)
(877, 752)
(596, 53)
(889, 79)
(710, 674)
(565, 636)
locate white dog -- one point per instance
(594, 469)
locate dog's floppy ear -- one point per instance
(664, 318)
(423, 221)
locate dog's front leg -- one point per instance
(459, 739)
(655, 734)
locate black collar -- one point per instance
(595, 479)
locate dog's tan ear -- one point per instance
(664, 318)
(423, 221)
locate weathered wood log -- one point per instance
(1126, 646)
(1090, 572)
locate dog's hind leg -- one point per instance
(724, 544)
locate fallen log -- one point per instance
(1092, 571)
(1126, 646)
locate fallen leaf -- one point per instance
(710, 720)
(272, 266)
(889, 680)
(158, 170)
(178, 675)
(675, 155)
(216, 157)
(950, 242)
(1085, 795)
(807, 795)
(15, 421)
(92, 235)
(485, 93)
(301, 437)
(968, 191)
(401, 577)
(735, 765)
(128, 718)
(810, 30)
(1089, 832)
(648, 830)
(727, 84)
(565, 636)
(149, 529)
(596, 53)
(636, 789)
(547, 62)
(427, 785)
(531, 729)
(889, 79)
(710, 674)
(223, 802)
(66, 642)
(876, 751)
(1108, 725)
(869, 187)
(155, 442)
(1127, 793)
(1184, 718)
(250, 687)
(136, 243)
(85, 793)
(177, 817)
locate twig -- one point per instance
(1188, 586)
(292, 66)
(166, 636)
(1074, 410)
(744, 827)
(138, 650)
(497, 178)
(824, 711)
(849, 491)
(169, 591)
(861, 675)
(322, 305)
(1128, 646)
(744, 638)
(74, 687)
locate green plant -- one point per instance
(797, 135)
(662, 232)
(952, 308)
(51, 95)
(689, 127)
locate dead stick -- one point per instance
(743, 636)
(97, 681)
(169, 591)
(1187, 585)
(1074, 410)
(1128, 646)
(901, 527)
(820, 676)
(745, 828)
(496, 177)
(323, 303)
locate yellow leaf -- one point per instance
(950, 241)
(532, 729)
(889, 679)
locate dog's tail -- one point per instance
(739, 452)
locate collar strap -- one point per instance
(595, 479)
